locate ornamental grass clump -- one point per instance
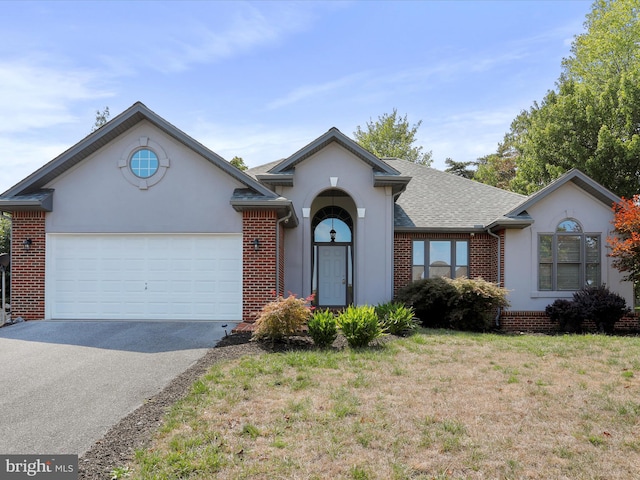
(281, 318)
(397, 319)
(360, 325)
(323, 328)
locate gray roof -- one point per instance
(440, 201)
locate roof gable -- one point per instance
(576, 177)
(333, 135)
(107, 133)
(282, 172)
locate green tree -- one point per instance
(392, 136)
(460, 168)
(592, 120)
(499, 169)
(5, 235)
(102, 117)
(238, 162)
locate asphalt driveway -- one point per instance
(64, 384)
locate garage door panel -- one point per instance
(156, 277)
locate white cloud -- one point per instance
(246, 28)
(306, 91)
(40, 96)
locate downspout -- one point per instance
(284, 219)
(497, 237)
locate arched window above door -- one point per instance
(332, 218)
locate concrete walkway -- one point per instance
(64, 384)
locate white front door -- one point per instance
(332, 273)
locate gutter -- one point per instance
(284, 219)
(497, 237)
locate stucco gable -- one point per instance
(21, 195)
(575, 177)
(281, 173)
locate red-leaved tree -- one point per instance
(625, 244)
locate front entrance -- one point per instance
(332, 275)
(332, 256)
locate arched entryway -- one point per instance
(332, 254)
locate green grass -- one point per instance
(438, 404)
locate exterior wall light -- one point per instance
(27, 243)
(256, 244)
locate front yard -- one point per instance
(437, 404)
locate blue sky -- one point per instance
(263, 79)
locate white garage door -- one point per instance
(144, 277)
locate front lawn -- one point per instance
(434, 405)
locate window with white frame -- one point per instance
(440, 258)
(569, 258)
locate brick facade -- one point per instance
(28, 266)
(538, 322)
(259, 267)
(483, 255)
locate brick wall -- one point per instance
(483, 252)
(28, 266)
(259, 267)
(538, 322)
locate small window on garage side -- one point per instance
(144, 163)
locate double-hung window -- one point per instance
(568, 259)
(440, 258)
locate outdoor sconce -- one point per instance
(256, 244)
(27, 243)
(332, 233)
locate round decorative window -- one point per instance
(144, 163)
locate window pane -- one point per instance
(544, 277)
(593, 274)
(592, 248)
(569, 276)
(544, 249)
(418, 252)
(322, 232)
(462, 254)
(569, 226)
(418, 272)
(569, 248)
(462, 272)
(439, 270)
(440, 253)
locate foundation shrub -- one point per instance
(596, 303)
(602, 306)
(431, 299)
(396, 318)
(283, 317)
(476, 304)
(565, 313)
(323, 328)
(359, 325)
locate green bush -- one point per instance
(323, 328)
(359, 325)
(395, 318)
(566, 314)
(431, 300)
(598, 304)
(282, 318)
(476, 304)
